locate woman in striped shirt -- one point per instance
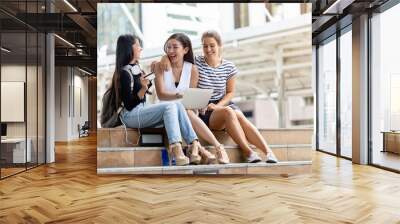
(219, 74)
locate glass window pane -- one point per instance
(346, 94)
(327, 97)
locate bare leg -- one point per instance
(226, 118)
(252, 133)
(201, 129)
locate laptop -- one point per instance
(194, 98)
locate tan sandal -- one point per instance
(207, 157)
(222, 156)
(193, 152)
(175, 151)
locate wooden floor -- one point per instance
(69, 191)
(10, 171)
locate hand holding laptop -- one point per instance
(211, 107)
(179, 95)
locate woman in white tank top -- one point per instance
(170, 85)
(177, 83)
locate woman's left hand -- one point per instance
(203, 111)
(211, 107)
(179, 95)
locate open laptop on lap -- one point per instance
(194, 98)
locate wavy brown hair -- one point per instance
(185, 41)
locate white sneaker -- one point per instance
(271, 158)
(253, 158)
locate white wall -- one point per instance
(14, 73)
(266, 114)
(257, 14)
(67, 115)
(80, 84)
(291, 10)
(154, 32)
(212, 16)
(61, 103)
(33, 126)
(298, 110)
(226, 17)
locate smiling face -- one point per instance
(211, 48)
(137, 50)
(175, 50)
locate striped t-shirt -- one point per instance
(214, 78)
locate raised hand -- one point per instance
(165, 64)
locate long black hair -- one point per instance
(185, 41)
(124, 55)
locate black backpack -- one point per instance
(109, 116)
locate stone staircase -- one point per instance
(115, 156)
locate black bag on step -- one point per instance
(109, 116)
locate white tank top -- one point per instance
(184, 81)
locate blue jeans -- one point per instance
(170, 114)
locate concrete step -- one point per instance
(112, 157)
(115, 137)
(293, 167)
(273, 136)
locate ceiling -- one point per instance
(75, 23)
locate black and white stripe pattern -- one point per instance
(214, 78)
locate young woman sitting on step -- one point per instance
(130, 90)
(170, 84)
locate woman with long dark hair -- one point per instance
(130, 91)
(183, 75)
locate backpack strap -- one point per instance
(128, 68)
